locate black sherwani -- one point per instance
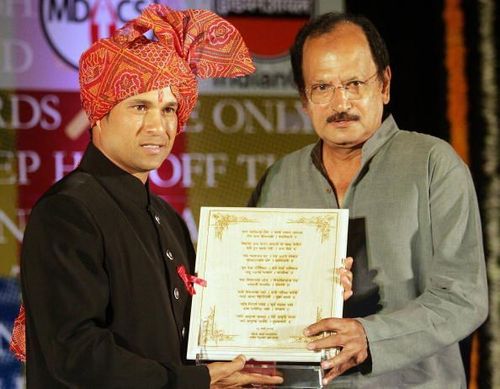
(105, 305)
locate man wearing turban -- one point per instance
(105, 263)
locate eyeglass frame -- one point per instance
(343, 87)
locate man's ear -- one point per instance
(305, 104)
(386, 85)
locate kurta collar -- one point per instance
(121, 184)
(385, 132)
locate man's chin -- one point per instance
(343, 143)
(153, 165)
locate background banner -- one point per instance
(445, 83)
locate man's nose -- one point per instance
(340, 101)
(152, 120)
(155, 121)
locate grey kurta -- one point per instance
(423, 245)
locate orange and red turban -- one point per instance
(187, 44)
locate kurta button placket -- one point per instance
(176, 293)
(169, 255)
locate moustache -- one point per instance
(341, 116)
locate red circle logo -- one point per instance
(268, 38)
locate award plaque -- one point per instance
(270, 273)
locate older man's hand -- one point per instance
(349, 335)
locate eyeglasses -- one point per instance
(323, 93)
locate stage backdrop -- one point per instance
(445, 83)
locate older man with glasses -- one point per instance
(415, 232)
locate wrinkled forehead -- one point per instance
(345, 38)
(343, 51)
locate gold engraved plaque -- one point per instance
(270, 273)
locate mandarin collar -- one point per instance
(386, 131)
(119, 183)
